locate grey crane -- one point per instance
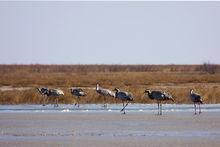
(124, 97)
(78, 92)
(196, 99)
(43, 91)
(159, 96)
(47, 92)
(105, 93)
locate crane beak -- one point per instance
(172, 100)
(144, 95)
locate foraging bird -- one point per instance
(55, 93)
(159, 96)
(51, 93)
(78, 92)
(124, 96)
(43, 91)
(104, 92)
(196, 99)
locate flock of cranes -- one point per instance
(124, 96)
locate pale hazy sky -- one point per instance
(109, 32)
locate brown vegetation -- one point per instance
(175, 79)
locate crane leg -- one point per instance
(200, 109)
(44, 101)
(78, 101)
(195, 108)
(123, 109)
(160, 108)
(55, 105)
(116, 101)
(105, 105)
(56, 102)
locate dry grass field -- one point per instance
(18, 82)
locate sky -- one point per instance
(109, 32)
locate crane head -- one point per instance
(131, 97)
(116, 89)
(147, 91)
(172, 99)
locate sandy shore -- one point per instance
(109, 129)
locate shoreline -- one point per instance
(112, 108)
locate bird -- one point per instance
(105, 93)
(55, 93)
(78, 92)
(124, 97)
(48, 92)
(196, 99)
(43, 91)
(159, 96)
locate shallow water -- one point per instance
(92, 125)
(115, 134)
(98, 108)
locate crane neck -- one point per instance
(97, 86)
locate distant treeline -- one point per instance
(80, 68)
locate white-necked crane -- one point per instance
(159, 96)
(105, 93)
(196, 99)
(51, 93)
(78, 92)
(124, 97)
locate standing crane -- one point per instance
(159, 96)
(124, 97)
(43, 91)
(196, 99)
(105, 93)
(78, 92)
(51, 93)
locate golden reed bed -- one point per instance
(175, 79)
